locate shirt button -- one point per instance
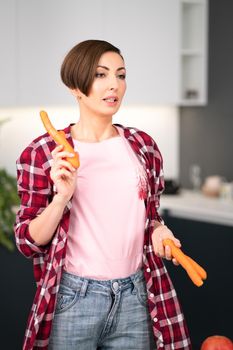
(148, 269)
(144, 246)
(155, 319)
(161, 345)
(152, 295)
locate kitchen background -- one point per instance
(206, 132)
(179, 58)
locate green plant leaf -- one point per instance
(8, 201)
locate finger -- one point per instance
(56, 150)
(62, 174)
(62, 163)
(168, 254)
(177, 242)
(175, 262)
(161, 250)
(63, 154)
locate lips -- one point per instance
(111, 99)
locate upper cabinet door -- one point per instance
(47, 30)
(147, 32)
(8, 71)
(194, 52)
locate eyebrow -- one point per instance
(120, 68)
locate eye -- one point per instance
(122, 76)
(99, 75)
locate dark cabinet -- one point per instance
(16, 297)
(208, 309)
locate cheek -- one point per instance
(96, 88)
(124, 89)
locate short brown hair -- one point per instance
(79, 66)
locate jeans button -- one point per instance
(115, 286)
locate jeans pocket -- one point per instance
(142, 292)
(66, 298)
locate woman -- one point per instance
(94, 233)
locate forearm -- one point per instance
(43, 227)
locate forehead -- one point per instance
(111, 59)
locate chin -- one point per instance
(110, 111)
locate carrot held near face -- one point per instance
(60, 138)
(65, 162)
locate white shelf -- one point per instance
(192, 1)
(191, 52)
(192, 78)
(192, 102)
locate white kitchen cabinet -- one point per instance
(193, 52)
(148, 34)
(160, 67)
(47, 29)
(8, 72)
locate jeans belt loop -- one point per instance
(84, 288)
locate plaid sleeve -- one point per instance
(158, 181)
(34, 190)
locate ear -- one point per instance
(76, 93)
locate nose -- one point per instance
(113, 83)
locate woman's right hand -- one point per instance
(63, 174)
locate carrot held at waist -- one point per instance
(193, 269)
(60, 138)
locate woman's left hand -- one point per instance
(160, 233)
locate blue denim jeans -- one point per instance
(92, 314)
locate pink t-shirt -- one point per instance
(107, 222)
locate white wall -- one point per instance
(162, 123)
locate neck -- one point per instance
(93, 129)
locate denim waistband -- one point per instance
(75, 282)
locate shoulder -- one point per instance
(36, 149)
(140, 137)
(39, 150)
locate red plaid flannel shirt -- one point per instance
(35, 189)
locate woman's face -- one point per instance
(108, 87)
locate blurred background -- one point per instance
(178, 55)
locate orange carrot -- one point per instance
(62, 133)
(198, 268)
(60, 138)
(194, 270)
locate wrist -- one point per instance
(158, 225)
(60, 200)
